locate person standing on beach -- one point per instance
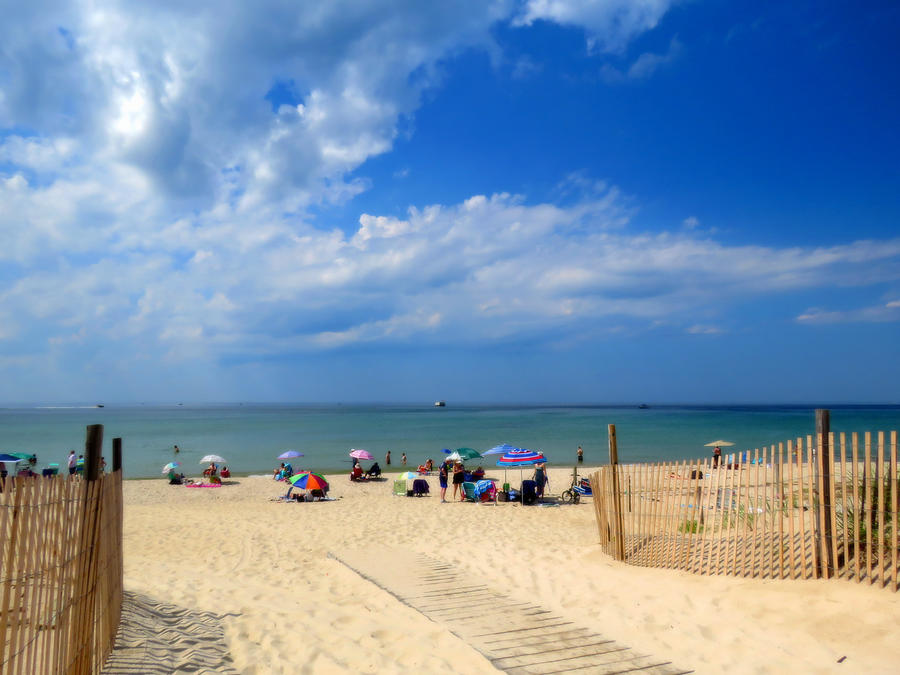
(442, 478)
(717, 455)
(580, 455)
(540, 479)
(73, 461)
(459, 477)
(387, 458)
(403, 459)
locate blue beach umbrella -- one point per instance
(171, 466)
(290, 454)
(501, 449)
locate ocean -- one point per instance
(251, 436)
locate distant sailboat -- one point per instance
(440, 404)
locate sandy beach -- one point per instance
(261, 569)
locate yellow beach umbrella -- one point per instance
(719, 443)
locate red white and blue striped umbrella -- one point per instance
(521, 457)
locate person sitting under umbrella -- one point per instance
(211, 470)
(374, 470)
(357, 473)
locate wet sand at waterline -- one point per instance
(262, 567)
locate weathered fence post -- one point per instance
(826, 513)
(116, 454)
(617, 494)
(93, 446)
(81, 653)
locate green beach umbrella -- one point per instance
(464, 454)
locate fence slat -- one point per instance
(857, 513)
(869, 514)
(813, 510)
(879, 477)
(895, 514)
(821, 525)
(843, 568)
(718, 520)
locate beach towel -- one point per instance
(484, 486)
(203, 485)
(420, 487)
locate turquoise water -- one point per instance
(250, 437)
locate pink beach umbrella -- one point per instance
(361, 454)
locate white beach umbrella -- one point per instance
(212, 458)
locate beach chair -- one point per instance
(399, 488)
(420, 487)
(469, 489)
(486, 491)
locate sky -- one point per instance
(537, 201)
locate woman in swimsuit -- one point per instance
(459, 476)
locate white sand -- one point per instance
(290, 608)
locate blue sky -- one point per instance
(514, 201)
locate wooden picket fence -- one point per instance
(61, 570)
(823, 508)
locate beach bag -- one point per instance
(529, 492)
(502, 496)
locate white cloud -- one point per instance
(643, 66)
(610, 24)
(887, 312)
(489, 269)
(700, 329)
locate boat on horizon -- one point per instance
(643, 406)
(440, 404)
